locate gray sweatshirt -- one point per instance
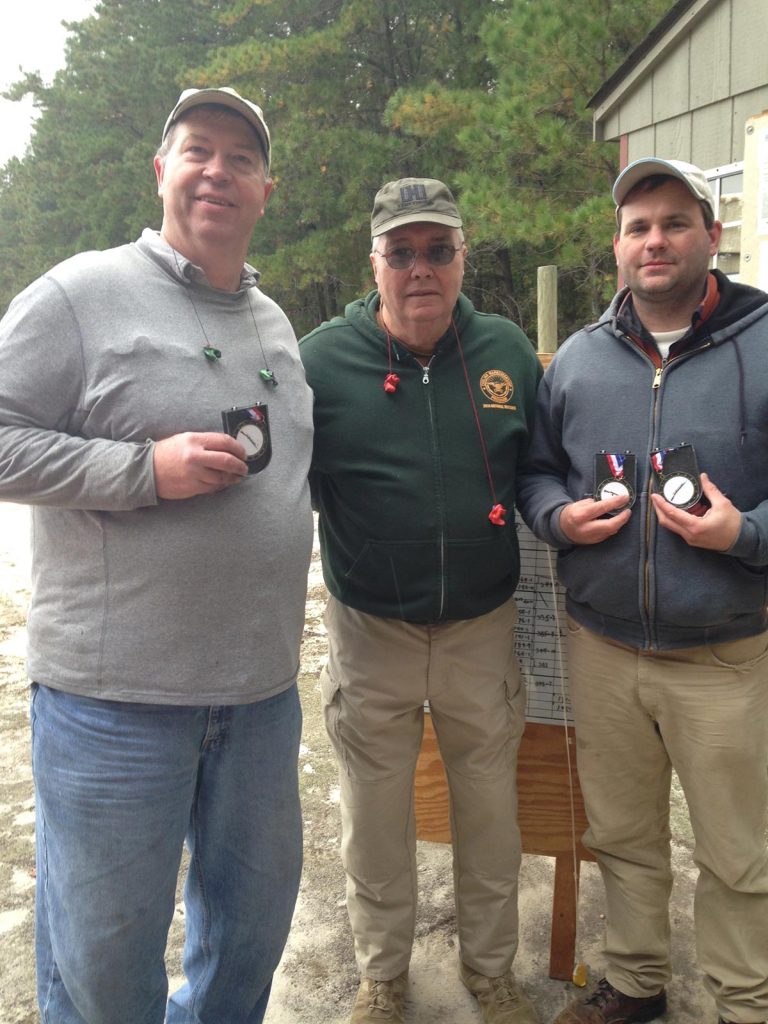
(134, 598)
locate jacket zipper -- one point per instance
(655, 386)
(655, 389)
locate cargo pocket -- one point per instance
(516, 701)
(330, 698)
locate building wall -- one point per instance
(691, 95)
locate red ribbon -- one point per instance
(390, 383)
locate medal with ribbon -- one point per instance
(615, 474)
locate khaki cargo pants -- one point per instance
(379, 674)
(704, 712)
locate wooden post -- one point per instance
(547, 309)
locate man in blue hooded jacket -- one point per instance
(649, 473)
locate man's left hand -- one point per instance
(716, 530)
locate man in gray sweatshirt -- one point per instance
(170, 552)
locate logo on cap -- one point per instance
(412, 195)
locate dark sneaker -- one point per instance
(501, 1000)
(606, 1005)
(380, 1001)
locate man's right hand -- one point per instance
(581, 521)
(189, 464)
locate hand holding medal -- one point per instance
(715, 528)
(249, 426)
(678, 479)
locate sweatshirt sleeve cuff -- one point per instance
(559, 539)
(746, 547)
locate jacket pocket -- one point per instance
(481, 573)
(707, 589)
(425, 581)
(402, 576)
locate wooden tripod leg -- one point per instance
(562, 946)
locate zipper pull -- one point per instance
(657, 378)
(425, 375)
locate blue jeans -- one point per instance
(119, 788)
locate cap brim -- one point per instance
(640, 169)
(416, 218)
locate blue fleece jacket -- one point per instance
(645, 586)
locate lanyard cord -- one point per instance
(480, 434)
(391, 381)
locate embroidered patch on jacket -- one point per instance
(498, 387)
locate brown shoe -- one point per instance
(607, 1005)
(501, 1000)
(380, 1000)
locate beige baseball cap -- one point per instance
(691, 176)
(409, 200)
(224, 96)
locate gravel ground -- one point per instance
(317, 980)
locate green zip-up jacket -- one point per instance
(404, 480)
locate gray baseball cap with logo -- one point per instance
(413, 200)
(690, 175)
(223, 96)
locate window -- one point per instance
(727, 184)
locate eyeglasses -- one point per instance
(403, 258)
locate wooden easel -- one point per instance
(544, 815)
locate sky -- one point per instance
(33, 38)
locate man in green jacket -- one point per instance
(422, 414)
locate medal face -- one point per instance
(679, 489)
(614, 489)
(251, 437)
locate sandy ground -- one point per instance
(317, 980)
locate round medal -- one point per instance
(252, 437)
(615, 489)
(680, 490)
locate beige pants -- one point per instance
(379, 674)
(704, 712)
